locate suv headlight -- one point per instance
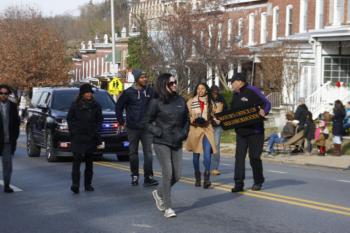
(63, 125)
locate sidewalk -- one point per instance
(341, 162)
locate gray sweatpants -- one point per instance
(171, 163)
(6, 163)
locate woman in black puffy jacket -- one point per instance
(167, 120)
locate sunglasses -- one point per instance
(172, 83)
(4, 93)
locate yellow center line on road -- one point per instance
(325, 207)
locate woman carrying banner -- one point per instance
(201, 136)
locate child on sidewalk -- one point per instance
(309, 132)
(321, 135)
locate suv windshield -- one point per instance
(62, 100)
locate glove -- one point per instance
(200, 121)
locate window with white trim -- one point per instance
(336, 69)
(330, 12)
(289, 20)
(219, 36)
(303, 16)
(319, 14)
(240, 32)
(229, 33)
(210, 35)
(263, 28)
(275, 22)
(251, 29)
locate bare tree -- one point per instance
(31, 52)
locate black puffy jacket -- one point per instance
(84, 122)
(169, 123)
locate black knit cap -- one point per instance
(238, 77)
(137, 73)
(85, 88)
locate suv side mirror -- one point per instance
(43, 107)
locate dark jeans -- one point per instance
(134, 137)
(6, 163)
(77, 159)
(255, 145)
(206, 156)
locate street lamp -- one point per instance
(113, 38)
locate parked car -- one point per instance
(47, 127)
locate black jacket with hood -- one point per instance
(135, 102)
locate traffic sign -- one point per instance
(115, 86)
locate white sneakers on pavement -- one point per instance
(159, 201)
(169, 213)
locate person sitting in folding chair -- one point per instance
(288, 131)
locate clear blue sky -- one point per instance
(48, 7)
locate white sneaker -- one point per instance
(159, 201)
(169, 213)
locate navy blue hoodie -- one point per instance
(135, 102)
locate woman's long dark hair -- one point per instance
(210, 98)
(161, 87)
(339, 107)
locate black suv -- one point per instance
(47, 125)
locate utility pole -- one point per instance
(113, 38)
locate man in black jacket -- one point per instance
(9, 132)
(135, 101)
(249, 137)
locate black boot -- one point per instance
(75, 182)
(206, 183)
(88, 180)
(197, 175)
(8, 189)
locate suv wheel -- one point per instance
(49, 148)
(32, 149)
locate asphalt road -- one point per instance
(293, 199)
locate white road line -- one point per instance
(279, 172)
(345, 181)
(187, 158)
(16, 189)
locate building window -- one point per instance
(331, 12)
(201, 38)
(219, 35)
(210, 35)
(275, 22)
(263, 28)
(251, 29)
(229, 33)
(303, 16)
(240, 33)
(289, 20)
(319, 14)
(336, 69)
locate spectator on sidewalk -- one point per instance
(9, 132)
(321, 135)
(347, 117)
(219, 106)
(288, 131)
(309, 132)
(338, 127)
(167, 120)
(201, 136)
(135, 101)
(300, 115)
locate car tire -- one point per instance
(32, 149)
(49, 148)
(123, 157)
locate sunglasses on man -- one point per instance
(4, 93)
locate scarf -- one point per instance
(196, 110)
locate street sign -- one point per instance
(115, 86)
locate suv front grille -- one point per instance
(109, 126)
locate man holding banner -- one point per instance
(248, 109)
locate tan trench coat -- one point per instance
(195, 137)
